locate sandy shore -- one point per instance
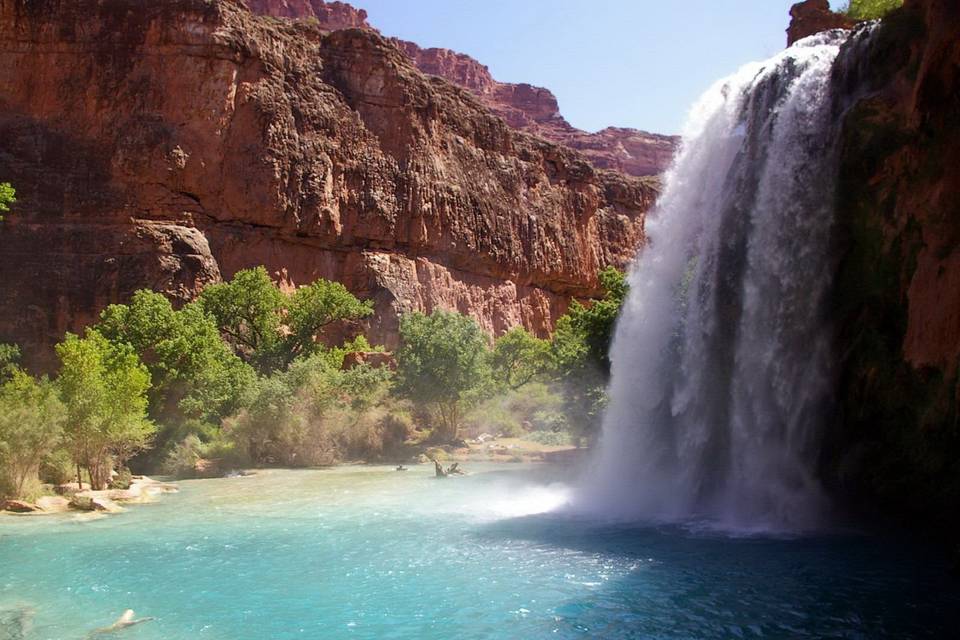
(142, 490)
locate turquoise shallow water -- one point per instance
(367, 552)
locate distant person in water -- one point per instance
(15, 624)
(123, 622)
(400, 467)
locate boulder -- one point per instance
(53, 504)
(92, 501)
(20, 506)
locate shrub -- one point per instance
(8, 195)
(31, 427)
(58, 468)
(871, 9)
(551, 438)
(534, 407)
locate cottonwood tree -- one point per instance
(194, 374)
(269, 328)
(519, 357)
(581, 350)
(31, 425)
(442, 362)
(104, 387)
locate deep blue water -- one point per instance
(367, 552)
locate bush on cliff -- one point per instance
(9, 360)
(8, 195)
(871, 9)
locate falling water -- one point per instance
(722, 357)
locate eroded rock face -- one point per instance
(330, 15)
(535, 109)
(898, 293)
(170, 144)
(522, 106)
(813, 16)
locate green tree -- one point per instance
(583, 335)
(31, 425)
(8, 195)
(269, 328)
(9, 360)
(519, 357)
(194, 374)
(104, 387)
(247, 312)
(442, 362)
(581, 347)
(311, 309)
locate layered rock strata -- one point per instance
(522, 106)
(169, 144)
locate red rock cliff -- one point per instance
(813, 16)
(331, 16)
(896, 441)
(536, 110)
(522, 106)
(169, 144)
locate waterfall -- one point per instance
(722, 362)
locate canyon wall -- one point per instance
(895, 443)
(169, 144)
(536, 110)
(522, 106)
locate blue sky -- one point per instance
(634, 63)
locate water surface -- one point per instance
(367, 552)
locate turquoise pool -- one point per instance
(367, 552)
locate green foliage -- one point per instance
(442, 362)
(871, 9)
(519, 357)
(104, 387)
(31, 425)
(269, 328)
(583, 335)
(9, 360)
(551, 438)
(312, 308)
(194, 374)
(8, 195)
(247, 311)
(57, 468)
(581, 347)
(315, 414)
(515, 413)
